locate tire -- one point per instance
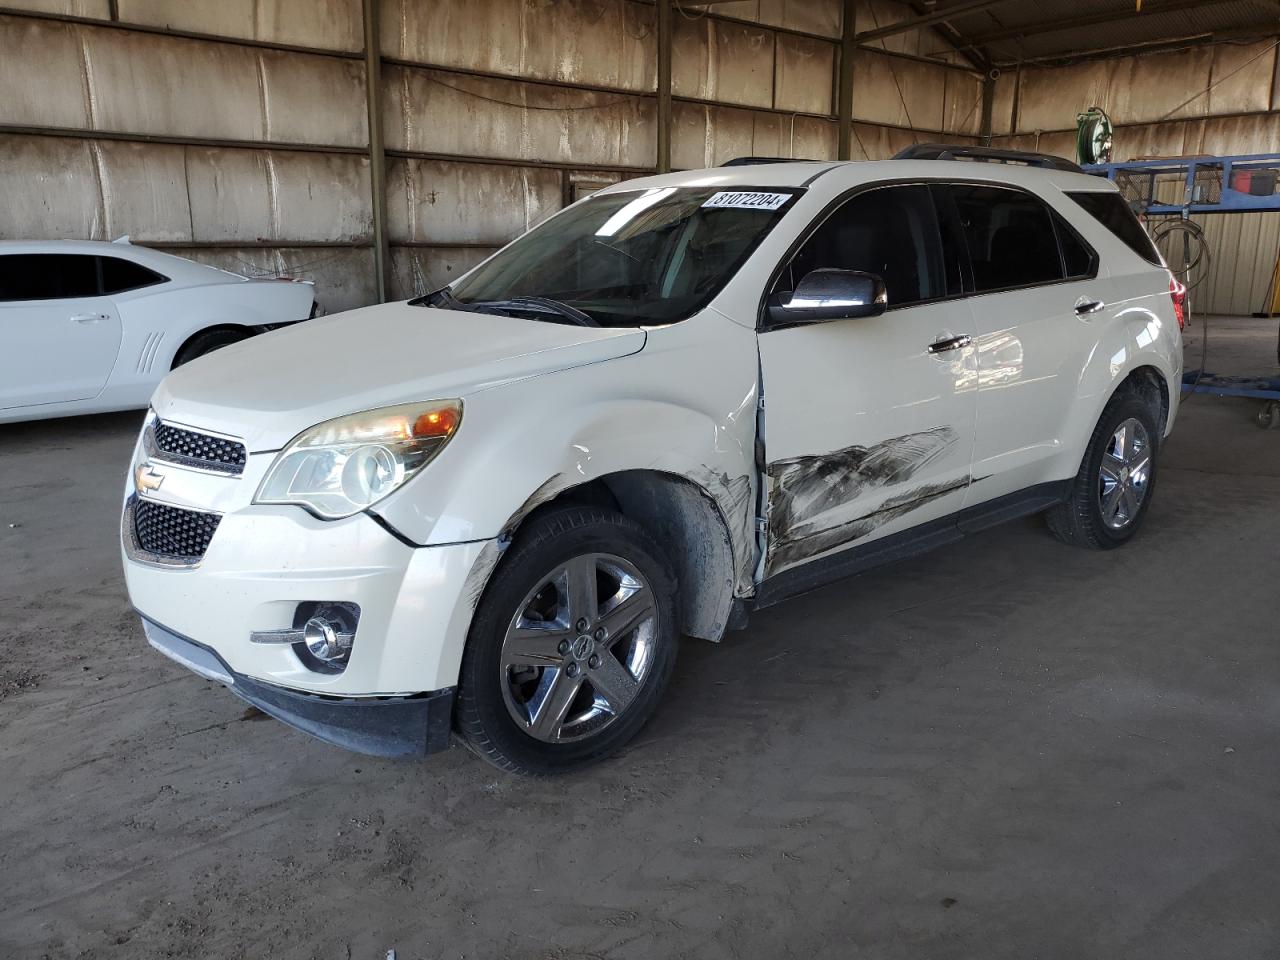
(1095, 515)
(513, 678)
(206, 342)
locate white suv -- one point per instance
(495, 510)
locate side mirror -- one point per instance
(830, 294)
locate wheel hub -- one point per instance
(582, 647)
(1124, 474)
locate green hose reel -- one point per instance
(1093, 137)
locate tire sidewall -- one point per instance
(555, 539)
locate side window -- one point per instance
(1111, 210)
(888, 231)
(1011, 237)
(1077, 256)
(121, 275)
(47, 276)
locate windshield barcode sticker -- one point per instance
(748, 200)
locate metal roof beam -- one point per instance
(1162, 45)
(1042, 27)
(928, 19)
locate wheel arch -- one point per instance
(684, 517)
(210, 328)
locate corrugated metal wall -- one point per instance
(235, 131)
(1232, 89)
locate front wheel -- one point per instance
(206, 342)
(572, 644)
(1110, 495)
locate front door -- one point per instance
(867, 431)
(60, 337)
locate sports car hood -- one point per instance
(269, 388)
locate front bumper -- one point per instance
(410, 726)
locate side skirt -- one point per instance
(909, 543)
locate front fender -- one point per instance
(665, 409)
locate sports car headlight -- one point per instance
(340, 467)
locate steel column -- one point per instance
(844, 92)
(377, 154)
(664, 86)
(988, 102)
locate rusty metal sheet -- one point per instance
(1242, 78)
(434, 112)
(803, 78)
(821, 17)
(962, 103)
(444, 202)
(322, 24)
(278, 195)
(706, 136)
(607, 43)
(729, 62)
(419, 270)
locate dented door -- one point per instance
(866, 432)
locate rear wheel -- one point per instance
(572, 644)
(1111, 493)
(207, 342)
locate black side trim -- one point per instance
(411, 726)
(909, 543)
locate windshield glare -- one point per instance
(638, 257)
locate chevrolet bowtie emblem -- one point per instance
(146, 478)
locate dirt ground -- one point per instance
(1006, 749)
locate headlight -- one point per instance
(339, 467)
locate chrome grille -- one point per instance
(172, 532)
(192, 448)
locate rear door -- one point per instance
(867, 432)
(60, 336)
(1036, 291)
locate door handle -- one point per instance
(88, 317)
(951, 343)
(1086, 306)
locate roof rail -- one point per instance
(951, 151)
(751, 161)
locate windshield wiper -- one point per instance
(442, 298)
(537, 304)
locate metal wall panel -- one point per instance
(803, 77)
(343, 277)
(608, 43)
(1244, 248)
(707, 136)
(728, 62)
(419, 270)
(322, 24)
(98, 9)
(442, 202)
(821, 17)
(101, 78)
(432, 111)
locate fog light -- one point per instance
(323, 640)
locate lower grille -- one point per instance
(173, 532)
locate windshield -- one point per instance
(624, 259)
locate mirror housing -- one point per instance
(830, 294)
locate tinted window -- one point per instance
(1010, 235)
(1113, 212)
(891, 232)
(47, 276)
(1078, 257)
(121, 275)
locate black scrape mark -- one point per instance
(808, 493)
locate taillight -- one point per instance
(1178, 292)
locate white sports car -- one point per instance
(90, 326)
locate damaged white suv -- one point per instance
(494, 511)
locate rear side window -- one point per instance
(1113, 212)
(889, 231)
(47, 276)
(1077, 256)
(1011, 237)
(121, 275)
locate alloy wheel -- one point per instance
(1125, 474)
(579, 648)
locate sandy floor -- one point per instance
(1008, 748)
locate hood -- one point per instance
(270, 388)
